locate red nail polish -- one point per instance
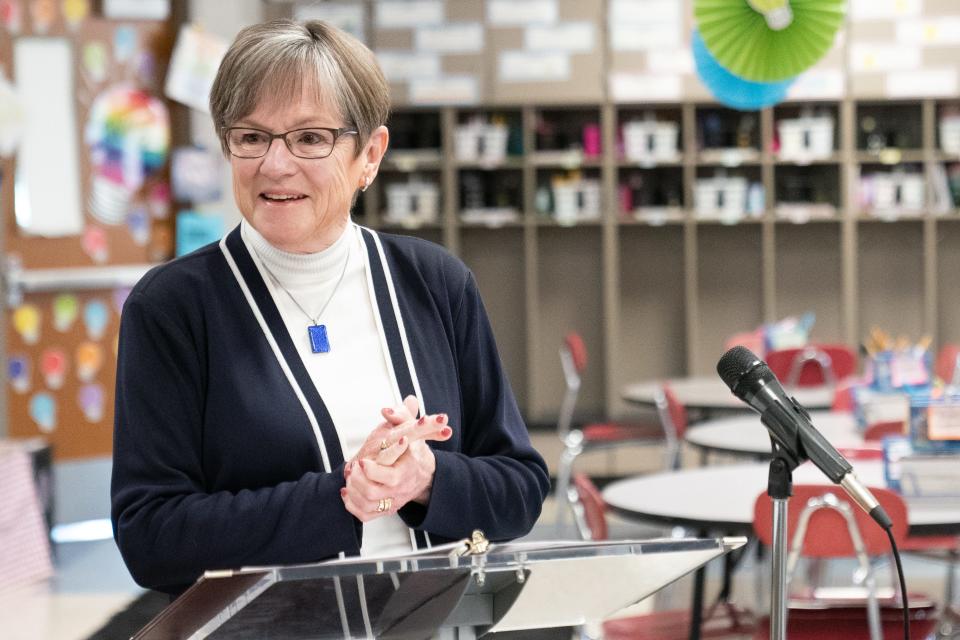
(441, 418)
(388, 411)
(402, 441)
(446, 431)
(421, 421)
(362, 465)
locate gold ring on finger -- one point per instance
(384, 444)
(384, 504)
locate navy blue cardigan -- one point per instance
(216, 457)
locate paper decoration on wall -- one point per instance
(119, 297)
(53, 367)
(18, 373)
(44, 69)
(12, 117)
(75, 12)
(138, 223)
(347, 16)
(136, 9)
(768, 40)
(43, 411)
(193, 66)
(196, 174)
(94, 244)
(95, 58)
(128, 132)
(90, 398)
(146, 67)
(89, 360)
(96, 315)
(43, 12)
(158, 200)
(66, 308)
(26, 322)
(11, 16)
(729, 89)
(125, 41)
(195, 230)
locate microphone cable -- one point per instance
(903, 583)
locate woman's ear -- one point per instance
(374, 151)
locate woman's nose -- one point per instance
(278, 160)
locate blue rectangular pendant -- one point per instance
(318, 338)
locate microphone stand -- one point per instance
(779, 488)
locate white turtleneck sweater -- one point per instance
(353, 378)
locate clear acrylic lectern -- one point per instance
(461, 590)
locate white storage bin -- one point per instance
(950, 133)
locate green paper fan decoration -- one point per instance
(768, 40)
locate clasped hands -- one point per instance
(394, 465)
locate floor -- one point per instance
(91, 583)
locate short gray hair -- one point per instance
(281, 57)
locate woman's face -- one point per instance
(301, 205)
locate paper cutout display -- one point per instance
(96, 315)
(44, 12)
(18, 373)
(53, 367)
(729, 89)
(90, 398)
(89, 360)
(124, 43)
(119, 297)
(94, 244)
(11, 16)
(193, 67)
(26, 322)
(138, 223)
(12, 117)
(66, 308)
(128, 132)
(196, 175)
(195, 230)
(158, 201)
(95, 59)
(75, 12)
(43, 411)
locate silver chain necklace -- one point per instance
(319, 342)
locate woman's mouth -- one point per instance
(282, 197)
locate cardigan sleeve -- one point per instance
(168, 527)
(496, 481)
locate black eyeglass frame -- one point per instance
(283, 136)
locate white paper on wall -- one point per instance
(924, 83)
(942, 30)
(12, 116)
(47, 199)
(400, 66)
(533, 66)
(623, 11)
(645, 36)
(511, 13)
(408, 14)
(136, 9)
(670, 61)
(347, 16)
(462, 89)
(572, 37)
(453, 37)
(884, 57)
(630, 87)
(884, 9)
(817, 84)
(193, 66)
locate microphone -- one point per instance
(789, 425)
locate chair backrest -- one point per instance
(878, 430)
(573, 360)
(947, 363)
(672, 413)
(593, 508)
(830, 536)
(843, 396)
(812, 365)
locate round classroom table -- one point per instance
(710, 394)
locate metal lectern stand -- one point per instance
(459, 591)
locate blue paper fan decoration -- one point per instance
(731, 90)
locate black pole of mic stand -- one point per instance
(779, 488)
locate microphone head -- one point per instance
(736, 364)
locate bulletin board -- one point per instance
(61, 346)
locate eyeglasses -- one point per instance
(311, 144)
